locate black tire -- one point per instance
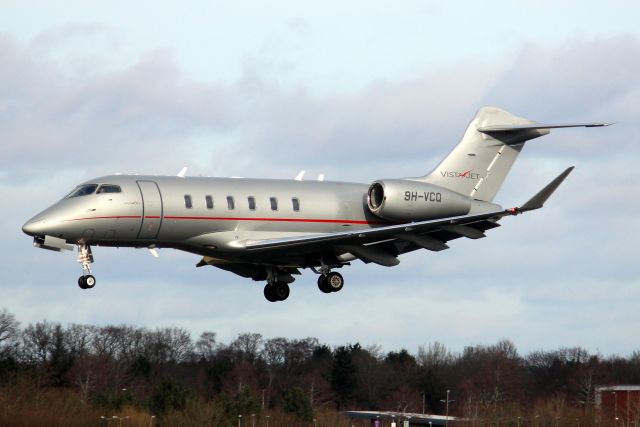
(281, 290)
(269, 293)
(81, 282)
(322, 284)
(335, 282)
(89, 281)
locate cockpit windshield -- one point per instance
(82, 190)
(109, 188)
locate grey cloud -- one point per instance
(51, 121)
(583, 79)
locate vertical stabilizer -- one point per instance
(478, 165)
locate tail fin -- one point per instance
(480, 162)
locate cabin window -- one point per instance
(188, 203)
(252, 203)
(295, 202)
(82, 190)
(209, 201)
(274, 203)
(231, 204)
(109, 188)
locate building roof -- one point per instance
(622, 387)
(424, 419)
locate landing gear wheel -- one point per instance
(269, 293)
(323, 285)
(86, 282)
(281, 290)
(335, 282)
(89, 281)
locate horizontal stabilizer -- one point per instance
(511, 128)
(514, 134)
(537, 201)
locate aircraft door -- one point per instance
(151, 210)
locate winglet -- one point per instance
(537, 201)
(182, 172)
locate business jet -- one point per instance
(269, 230)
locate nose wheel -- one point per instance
(86, 282)
(85, 257)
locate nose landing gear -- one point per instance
(85, 257)
(86, 282)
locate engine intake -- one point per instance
(404, 200)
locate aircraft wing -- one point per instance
(382, 245)
(462, 225)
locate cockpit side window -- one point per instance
(109, 188)
(82, 190)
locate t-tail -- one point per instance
(480, 162)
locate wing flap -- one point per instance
(373, 254)
(464, 231)
(425, 242)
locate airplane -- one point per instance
(270, 229)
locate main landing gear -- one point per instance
(277, 287)
(85, 257)
(276, 291)
(330, 282)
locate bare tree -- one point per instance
(435, 355)
(78, 338)
(206, 345)
(38, 341)
(9, 329)
(178, 343)
(107, 341)
(247, 345)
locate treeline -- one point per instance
(52, 374)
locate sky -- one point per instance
(358, 92)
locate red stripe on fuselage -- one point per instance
(211, 218)
(106, 217)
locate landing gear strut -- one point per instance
(85, 257)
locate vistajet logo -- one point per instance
(464, 175)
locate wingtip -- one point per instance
(598, 125)
(538, 200)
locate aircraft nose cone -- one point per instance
(33, 228)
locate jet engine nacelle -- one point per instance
(404, 200)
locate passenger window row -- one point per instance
(251, 202)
